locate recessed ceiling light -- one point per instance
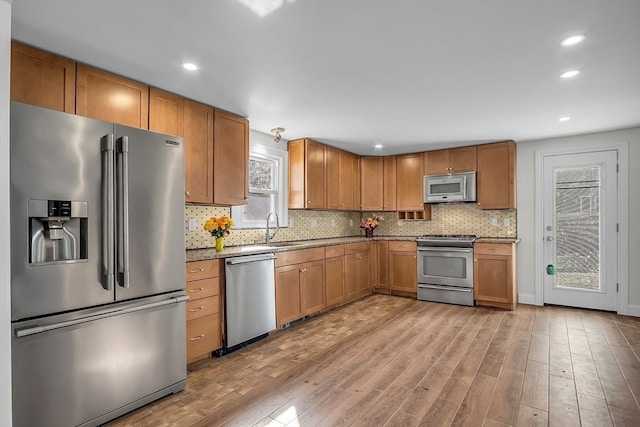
(564, 119)
(569, 74)
(189, 66)
(377, 146)
(573, 40)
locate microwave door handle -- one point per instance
(464, 188)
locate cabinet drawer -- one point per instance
(399, 246)
(493, 248)
(197, 270)
(203, 307)
(296, 257)
(203, 336)
(333, 251)
(352, 248)
(203, 288)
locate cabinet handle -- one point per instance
(196, 270)
(193, 310)
(187, 193)
(199, 337)
(196, 290)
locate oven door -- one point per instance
(445, 266)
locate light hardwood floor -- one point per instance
(395, 361)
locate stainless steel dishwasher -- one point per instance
(250, 298)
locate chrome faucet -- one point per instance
(268, 237)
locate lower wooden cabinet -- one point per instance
(494, 275)
(357, 269)
(380, 266)
(300, 284)
(334, 274)
(403, 274)
(204, 320)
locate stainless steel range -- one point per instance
(445, 268)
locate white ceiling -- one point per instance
(409, 74)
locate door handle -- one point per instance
(549, 238)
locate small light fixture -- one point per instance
(564, 119)
(189, 66)
(573, 40)
(377, 146)
(277, 132)
(569, 74)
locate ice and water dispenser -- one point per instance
(58, 231)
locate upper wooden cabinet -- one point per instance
(378, 183)
(454, 160)
(43, 79)
(166, 112)
(230, 159)
(306, 174)
(496, 176)
(112, 98)
(341, 168)
(198, 152)
(409, 175)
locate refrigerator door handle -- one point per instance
(108, 217)
(123, 211)
(39, 329)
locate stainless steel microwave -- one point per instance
(453, 187)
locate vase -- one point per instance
(219, 244)
(368, 232)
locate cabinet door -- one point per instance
(463, 159)
(346, 184)
(312, 287)
(288, 303)
(230, 159)
(203, 336)
(437, 162)
(493, 278)
(351, 276)
(380, 266)
(403, 274)
(112, 98)
(334, 280)
(166, 112)
(372, 183)
(198, 152)
(314, 180)
(389, 187)
(364, 272)
(496, 176)
(409, 175)
(42, 79)
(333, 178)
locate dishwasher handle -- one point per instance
(250, 258)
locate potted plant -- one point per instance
(219, 226)
(370, 223)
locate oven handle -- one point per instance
(445, 288)
(443, 249)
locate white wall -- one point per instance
(5, 261)
(526, 167)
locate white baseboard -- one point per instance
(633, 310)
(529, 299)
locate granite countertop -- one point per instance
(232, 251)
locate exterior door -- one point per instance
(580, 211)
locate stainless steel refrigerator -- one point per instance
(97, 270)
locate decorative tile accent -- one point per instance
(462, 218)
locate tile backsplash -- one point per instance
(457, 218)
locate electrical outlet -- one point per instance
(350, 223)
(507, 222)
(333, 222)
(192, 224)
(494, 221)
(314, 223)
(292, 223)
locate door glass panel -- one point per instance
(578, 227)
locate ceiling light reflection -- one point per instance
(573, 40)
(569, 74)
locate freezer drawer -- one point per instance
(86, 370)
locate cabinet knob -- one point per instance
(187, 193)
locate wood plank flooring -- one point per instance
(392, 361)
